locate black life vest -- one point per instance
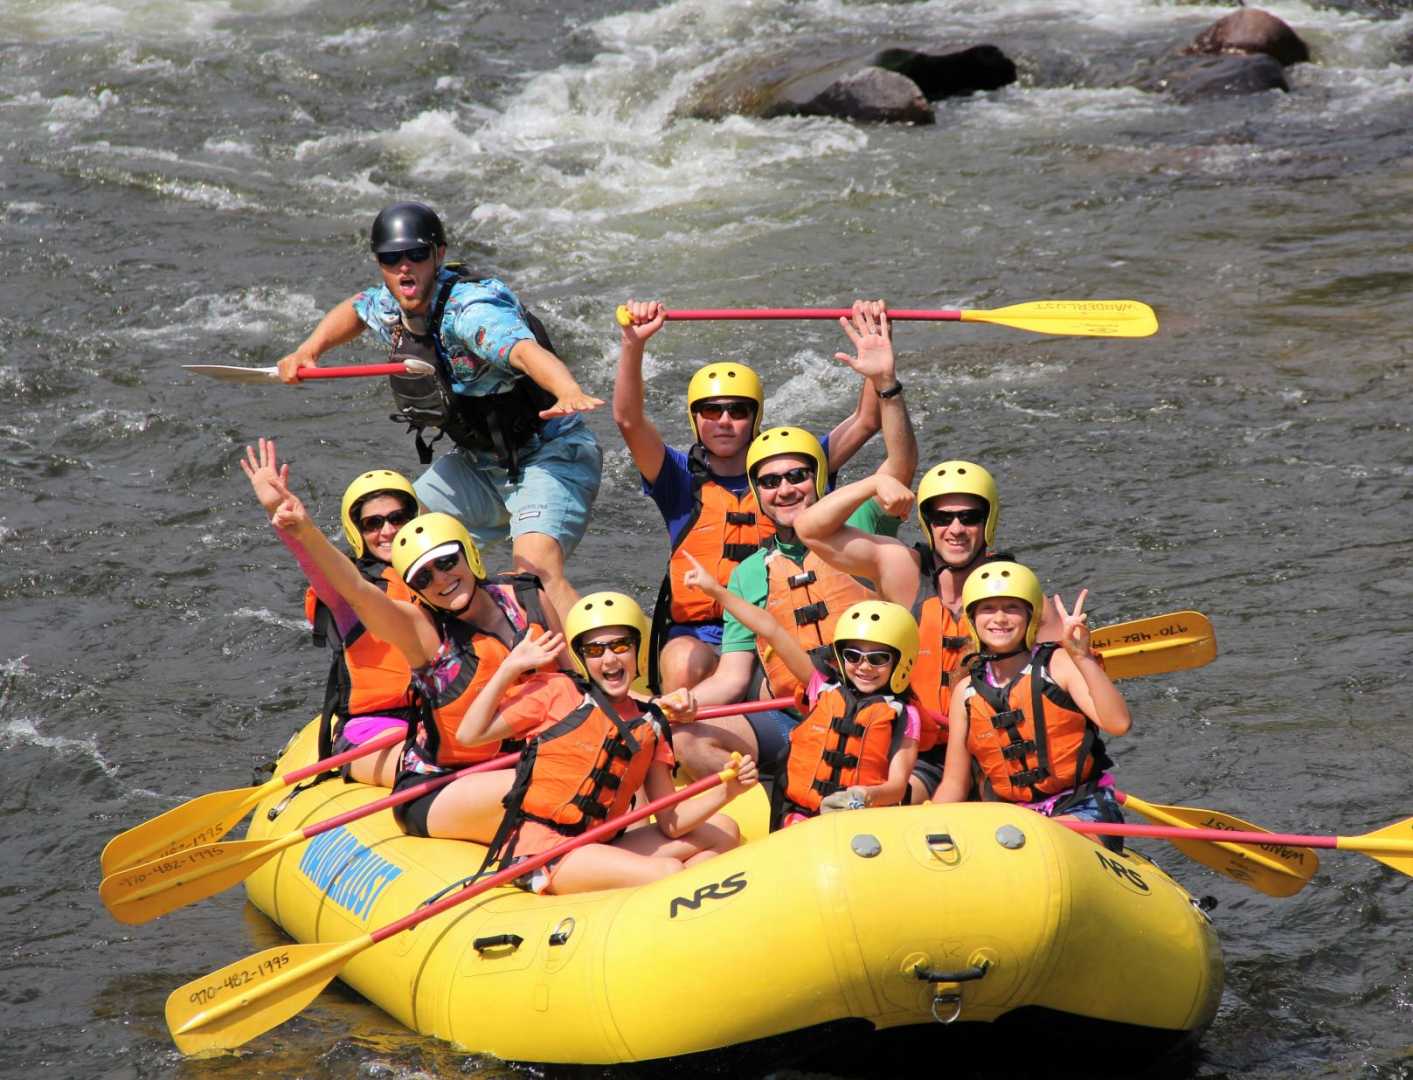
(495, 423)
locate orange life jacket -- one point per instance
(944, 641)
(474, 657)
(845, 740)
(723, 530)
(581, 770)
(367, 677)
(1018, 759)
(807, 599)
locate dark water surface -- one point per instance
(190, 180)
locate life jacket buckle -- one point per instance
(811, 613)
(1018, 750)
(799, 581)
(740, 517)
(1005, 721)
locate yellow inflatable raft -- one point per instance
(867, 921)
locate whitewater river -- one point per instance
(191, 181)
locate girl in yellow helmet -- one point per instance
(599, 743)
(368, 689)
(454, 634)
(858, 742)
(1025, 722)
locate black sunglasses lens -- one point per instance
(447, 563)
(418, 254)
(374, 522)
(946, 517)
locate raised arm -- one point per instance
(338, 327)
(889, 563)
(851, 433)
(641, 435)
(1080, 674)
(398, 623)
(758, 621)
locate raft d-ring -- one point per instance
(955, 1000)
(943, 848)
(950, 997)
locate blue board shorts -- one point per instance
(559, 480)
(772, 730)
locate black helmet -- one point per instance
(404, 225)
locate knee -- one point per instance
(664, 866)
(686, 662)
(729, 832)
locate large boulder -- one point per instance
(870, 94)
(954, 74)
(1194, 78)
(889, 86)
(1251, 31)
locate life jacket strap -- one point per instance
(811, 613)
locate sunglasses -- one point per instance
(419, 254)
(875, 658)
(445, 563)
(618, 646)
(797, 475)
(375, 522)
(944, 518)
(737, 410)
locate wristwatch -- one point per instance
(892, 391)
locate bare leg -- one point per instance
(605, 866)
(470, 808)
(685, 661)
(379, 769)
(540, 554)
(705, 746)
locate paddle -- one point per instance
(711, 712)
(231, 1006)
(139, 894)
(231, 373)
(1173, 642)
(209, 817)
(1391, 845)
(1270, 868)
(1080, 318)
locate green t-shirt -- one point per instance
(749, 581)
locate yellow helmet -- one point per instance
(601, 609)
(376, 482)
(888, 624)
(725, 380)
(1004, 579)
(421, 538)
(776, 441)
(960, 478)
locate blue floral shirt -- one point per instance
(483, 321)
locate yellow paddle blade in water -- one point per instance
(1176, 641)
(231, 1006)
(139, 894)
(1273, 869)
(1081, 318)
(198, 821)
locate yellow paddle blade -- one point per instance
(1274, 869)
(139, 894)
(1075, 318)
(1176, 641)
(198, 821)
(231, 1006)
(1391, 845)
